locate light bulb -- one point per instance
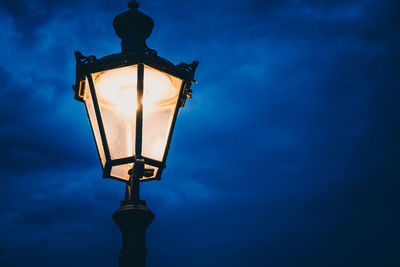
(117, 89)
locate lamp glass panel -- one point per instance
(121, 171)
(160, 97)
(146, 166)
(93, 122)
(116, 92)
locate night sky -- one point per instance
(288, 154)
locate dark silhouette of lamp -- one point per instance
(132, 100)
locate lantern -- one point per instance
(132, 100)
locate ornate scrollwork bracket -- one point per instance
(187, 92)
(81, 59)
(191, 68)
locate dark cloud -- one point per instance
(32, 133)
(287, 155)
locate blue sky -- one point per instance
(287, 154)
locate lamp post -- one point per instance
(132, 101)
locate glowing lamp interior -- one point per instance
(116, 92)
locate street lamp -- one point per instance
(132, 100)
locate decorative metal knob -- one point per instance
(133, 27)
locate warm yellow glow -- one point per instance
(116, 92)
(121, 171)
(117, 89)
(158, 89)
(93, 120)
(160, 98)
(129, 141)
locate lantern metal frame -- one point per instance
(86, 66)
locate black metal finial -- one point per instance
(133, 4)
(133, 27)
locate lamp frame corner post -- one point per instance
(133, 216)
